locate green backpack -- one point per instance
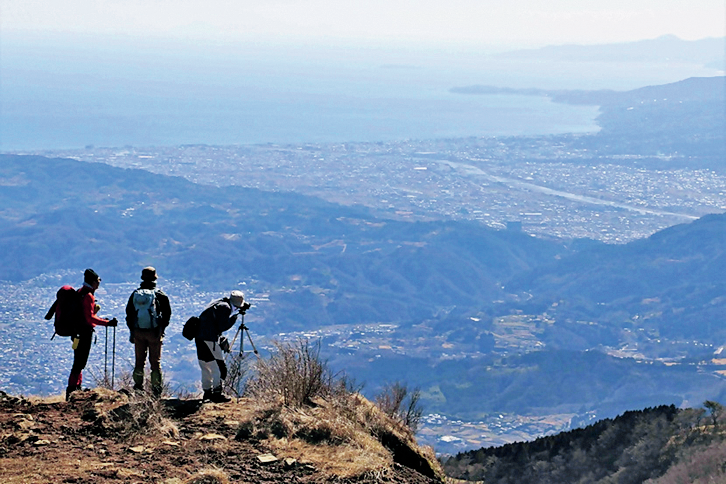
(145, 304)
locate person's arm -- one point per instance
(131, 313)
(87, 305)
(227, 317)
(164, 308)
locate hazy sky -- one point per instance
(514, 22)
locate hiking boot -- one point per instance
(70, 390)
(138, 388)
(219, 397)
(207, 397)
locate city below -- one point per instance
(542, 185)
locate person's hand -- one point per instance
(113, 322)
(131, 337)
(224, 344)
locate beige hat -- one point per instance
(237, 298)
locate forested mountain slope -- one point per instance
(656, 445)
(340, 264)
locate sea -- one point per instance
(112, 93)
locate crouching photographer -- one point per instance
(219, 316)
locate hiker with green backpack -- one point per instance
(148, 313)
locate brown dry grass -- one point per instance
(208, 476)
(316, 415)
(341, 436)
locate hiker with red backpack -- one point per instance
(86, 319)
(148, 313)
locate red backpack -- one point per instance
(67, 311)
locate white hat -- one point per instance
(237, 298)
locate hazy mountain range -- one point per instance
(667, 48)
(62, 213)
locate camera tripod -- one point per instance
(242, 328)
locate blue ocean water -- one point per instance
(70, 96)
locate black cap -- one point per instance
(91, 276)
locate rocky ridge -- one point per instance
(103, 436)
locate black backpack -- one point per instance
(191, 328)
(67, 311)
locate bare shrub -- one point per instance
(142, 415)
(124, 383)
(102, 379)
(237, 372)
(294, 372)
(397, 402)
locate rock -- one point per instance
(138, 449)
(41, 442)
(290, 462)
(24, 424)
(210, 437)
(267, 458)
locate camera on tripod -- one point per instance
(244, 307)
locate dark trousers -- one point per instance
(80, 358)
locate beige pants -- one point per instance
(147, 342)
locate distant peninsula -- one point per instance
(685, 116)
(695, 89)
(578, 97)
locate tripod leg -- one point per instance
(251, 343)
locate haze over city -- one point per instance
(326, 22)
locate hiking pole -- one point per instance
(113, 358)
(105, 360)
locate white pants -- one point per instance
(211, 374)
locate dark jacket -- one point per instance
(163, 308)
(216, 319)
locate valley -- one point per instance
(525, 285)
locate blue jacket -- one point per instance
(216, 319)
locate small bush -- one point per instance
(397, 402)
(142, 415)
(237, 371)
(295, 373)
